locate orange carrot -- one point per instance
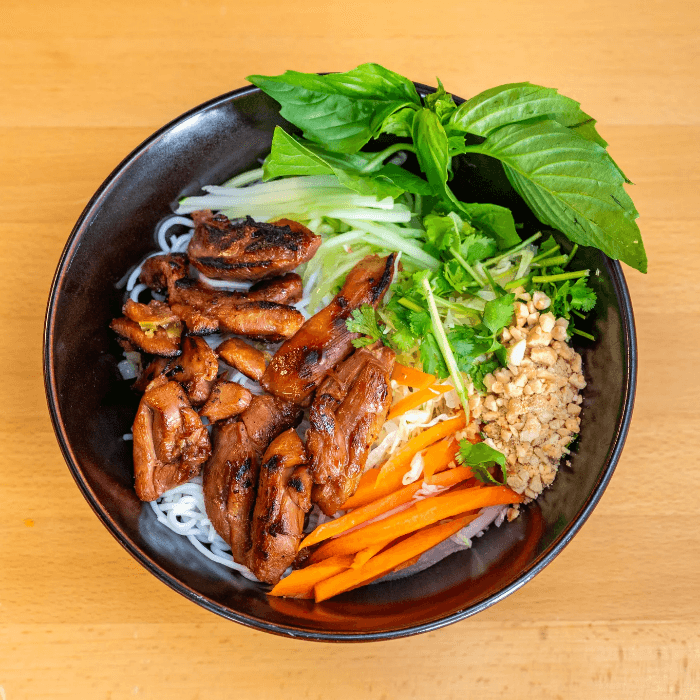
(383, 505)
(364, 555)
(409, 376)
(419, 515)
(300, 583)
(402, 459)
(441, 454)
(416, 399)
(438, 456)
(365, 490)
(390, 559)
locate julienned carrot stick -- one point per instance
(419, 515)
(368, 490)
(441, 454)
(409, 376)
(438, 456)
(402, 459)
(300, 583)
(417, 398)
(386, 561)
(383, 505)
(364, 555)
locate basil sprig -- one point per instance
(550, 150)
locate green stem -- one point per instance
(551, 262)
(459, 308)
(516, 283)
(383, 155)
(546, 253)
(571, 255)
(561, 277)
(583, 333)
(497, 289)
(410, 304)
(466, 265)
(514, 249)
(445, 348)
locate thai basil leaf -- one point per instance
(441, 102)
(290, 157)
(399, 123)
(403, 179)
(571, 185)
(430, 141)
(518, 102)
(340, 111)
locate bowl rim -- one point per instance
(629, 389)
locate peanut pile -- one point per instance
(531, 410)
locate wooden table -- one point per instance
(616, 615)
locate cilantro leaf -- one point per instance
(478, 372)
(493, 220)
(499, 313)
(475, 248)
(566, 296)
(431, 357)
(420, 323)
(364, 320)
(480, 457)
(583, 297)
(467, 346)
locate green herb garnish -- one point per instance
(480, 457)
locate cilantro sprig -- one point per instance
(364, 320)
(481, 458)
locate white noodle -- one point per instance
(166, 225)
(134, 293)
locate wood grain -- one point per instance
(616, 615)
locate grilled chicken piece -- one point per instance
(258, 314)
(208, 312)
(243, 357)
(154, 342)
(225, 400)
(195, 369)
(346, 416)
(303, 361)
(266, 417)
(284, 498)
(160, 272)
(229, 483)
(170, 442)
(156, 368)
(250, 250)
(286, 289)
(155, 313)
(231, 475)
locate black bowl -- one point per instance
(92, 408)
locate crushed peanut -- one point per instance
(532, 409)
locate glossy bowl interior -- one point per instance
(92, 408)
